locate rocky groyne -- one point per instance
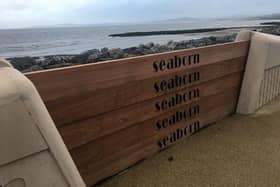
(169, 32)
(189, 31)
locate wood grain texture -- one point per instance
(128, 149)
(54, 83)
(111, 122)
(71, 109)
(114, 142)
(62, 87)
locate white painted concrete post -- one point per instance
(32, 153)
(261, 82)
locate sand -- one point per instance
(238, 151)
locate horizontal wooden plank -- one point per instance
(108, 123)
(56, 83)
(119, 162)
(100, 149)
(93, 171)
(89, 104)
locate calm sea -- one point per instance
(74, 40)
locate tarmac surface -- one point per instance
(238, 151)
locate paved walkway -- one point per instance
(239, 151)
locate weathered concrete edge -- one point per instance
(27, 127)
(263, 55)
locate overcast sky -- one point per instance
(26, 13)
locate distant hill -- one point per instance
(270, 16)
(182, 19)
(240, 17)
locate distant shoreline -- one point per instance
(192, 31)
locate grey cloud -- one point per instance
(100, 11)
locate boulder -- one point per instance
(116, 53)
(33, 68)
(22, 63)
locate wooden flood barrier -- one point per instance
(113, 114)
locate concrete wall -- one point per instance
(32, 151)
(261, 82)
